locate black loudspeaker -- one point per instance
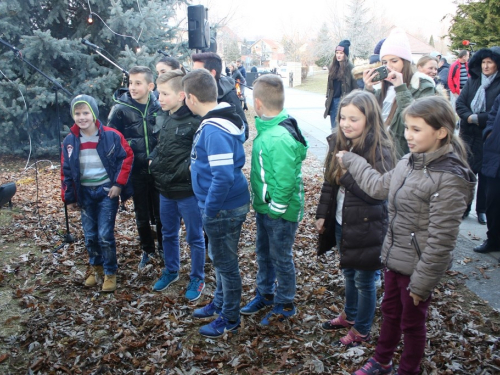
(198, 27)
(7, 191)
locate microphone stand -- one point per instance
(68, 238)
(124, 72)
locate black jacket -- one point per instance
(170, 159)
(227, 94)
(491, 147)
(472, 133)
(443, 75)
(364, 219)
(348, 84)
(136, 127)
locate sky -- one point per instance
(274, 18)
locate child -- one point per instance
(95, 169)
(221, 188)
(428, 192)
(134, 116)
(400, 87)
(277, 197)
(169, 166)
(353, 220)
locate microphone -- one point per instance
(163, 53)
(468, 43)
(87, 43)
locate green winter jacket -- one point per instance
(276, 176)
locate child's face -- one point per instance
(393, 62)
(162, 68)
(169, 99)
(352, 122)
(429, 68)
(139, 88)
(84, 118)
(422, 137)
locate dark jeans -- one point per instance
(144, 188)
(333, 111)
(98, 222)
(493, 210)
(401, 316)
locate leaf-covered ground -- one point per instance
(52, 324)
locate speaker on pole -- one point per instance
(198, 27)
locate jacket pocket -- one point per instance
(415, 245)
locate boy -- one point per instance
(169, 165)
(217, 157)
(277, 197)
(134, 116)
(95, 169)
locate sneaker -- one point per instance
(166, 279)
(96, 276)
(109, 284)
(194, 289)
(219, 327)
(207, 311)
(352, 339)
(372, 367)
(280, 312)
(338, 323)
(146, 257)
(255, 305)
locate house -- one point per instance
(268, 53)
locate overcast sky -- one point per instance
(273, 18)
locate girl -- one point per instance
(340, 80)
(428, 192)
(349, 217)
(167, 63)
(400, 87)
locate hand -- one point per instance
(416, 299)
(469, 119)
(114, 192)
(368, 76)
(320, 225)
(339, 158)
(394, 77)
(150, 162)
(72, 206)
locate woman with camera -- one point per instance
(400, 85)
(340, 80)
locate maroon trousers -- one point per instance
(400, 315)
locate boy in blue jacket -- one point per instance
(221, 188)
(95, 170)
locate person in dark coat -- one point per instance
(443, 71)
(491, 170)
(473, 104)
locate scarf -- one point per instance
(478, 104)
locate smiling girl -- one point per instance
(427, 194)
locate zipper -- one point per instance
(415, 243)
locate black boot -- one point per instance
(486, 247)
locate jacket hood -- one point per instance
(444, 66)
(419, 79)
(225, 85)
(289, 123)
(357, 72)
(224, 117)
(182, 112)
(477, 58)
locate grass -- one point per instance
(315, 83)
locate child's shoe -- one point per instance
(257, 304)
(352, 339)
(194, 289)
(219, 327)
(109, 283)
(165, 280)
(145, 259)
(372, 367)
(279, 312)
(207, 311)
(96, 276)
(338, 323)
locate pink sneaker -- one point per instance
(352, 339)
(338, 323)
(372, 367)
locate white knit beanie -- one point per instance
(396, 44)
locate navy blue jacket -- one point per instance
(491, 139)
(116, 155)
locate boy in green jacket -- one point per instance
(278, 198)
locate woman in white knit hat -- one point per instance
(400, 87)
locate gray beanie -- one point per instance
(87, 99)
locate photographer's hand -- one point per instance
(368, 76)
(394, 77)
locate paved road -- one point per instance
(482, 270)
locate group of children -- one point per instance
(401, 215)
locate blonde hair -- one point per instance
(173, 77)
(424, 60)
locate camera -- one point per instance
(382, 73)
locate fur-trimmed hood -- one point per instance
(477, 58)
(357, 72)
(419, 80)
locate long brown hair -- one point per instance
(373, 139)
(337, 68)
(437, 112)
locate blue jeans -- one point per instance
(98, 222)
(223, 232)
(171, 212)
(333, 111)
(275, 239)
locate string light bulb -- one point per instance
(90, 21)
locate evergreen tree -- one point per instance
(477, 21)
(49, 33)
(358, 29)
(324, 48)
